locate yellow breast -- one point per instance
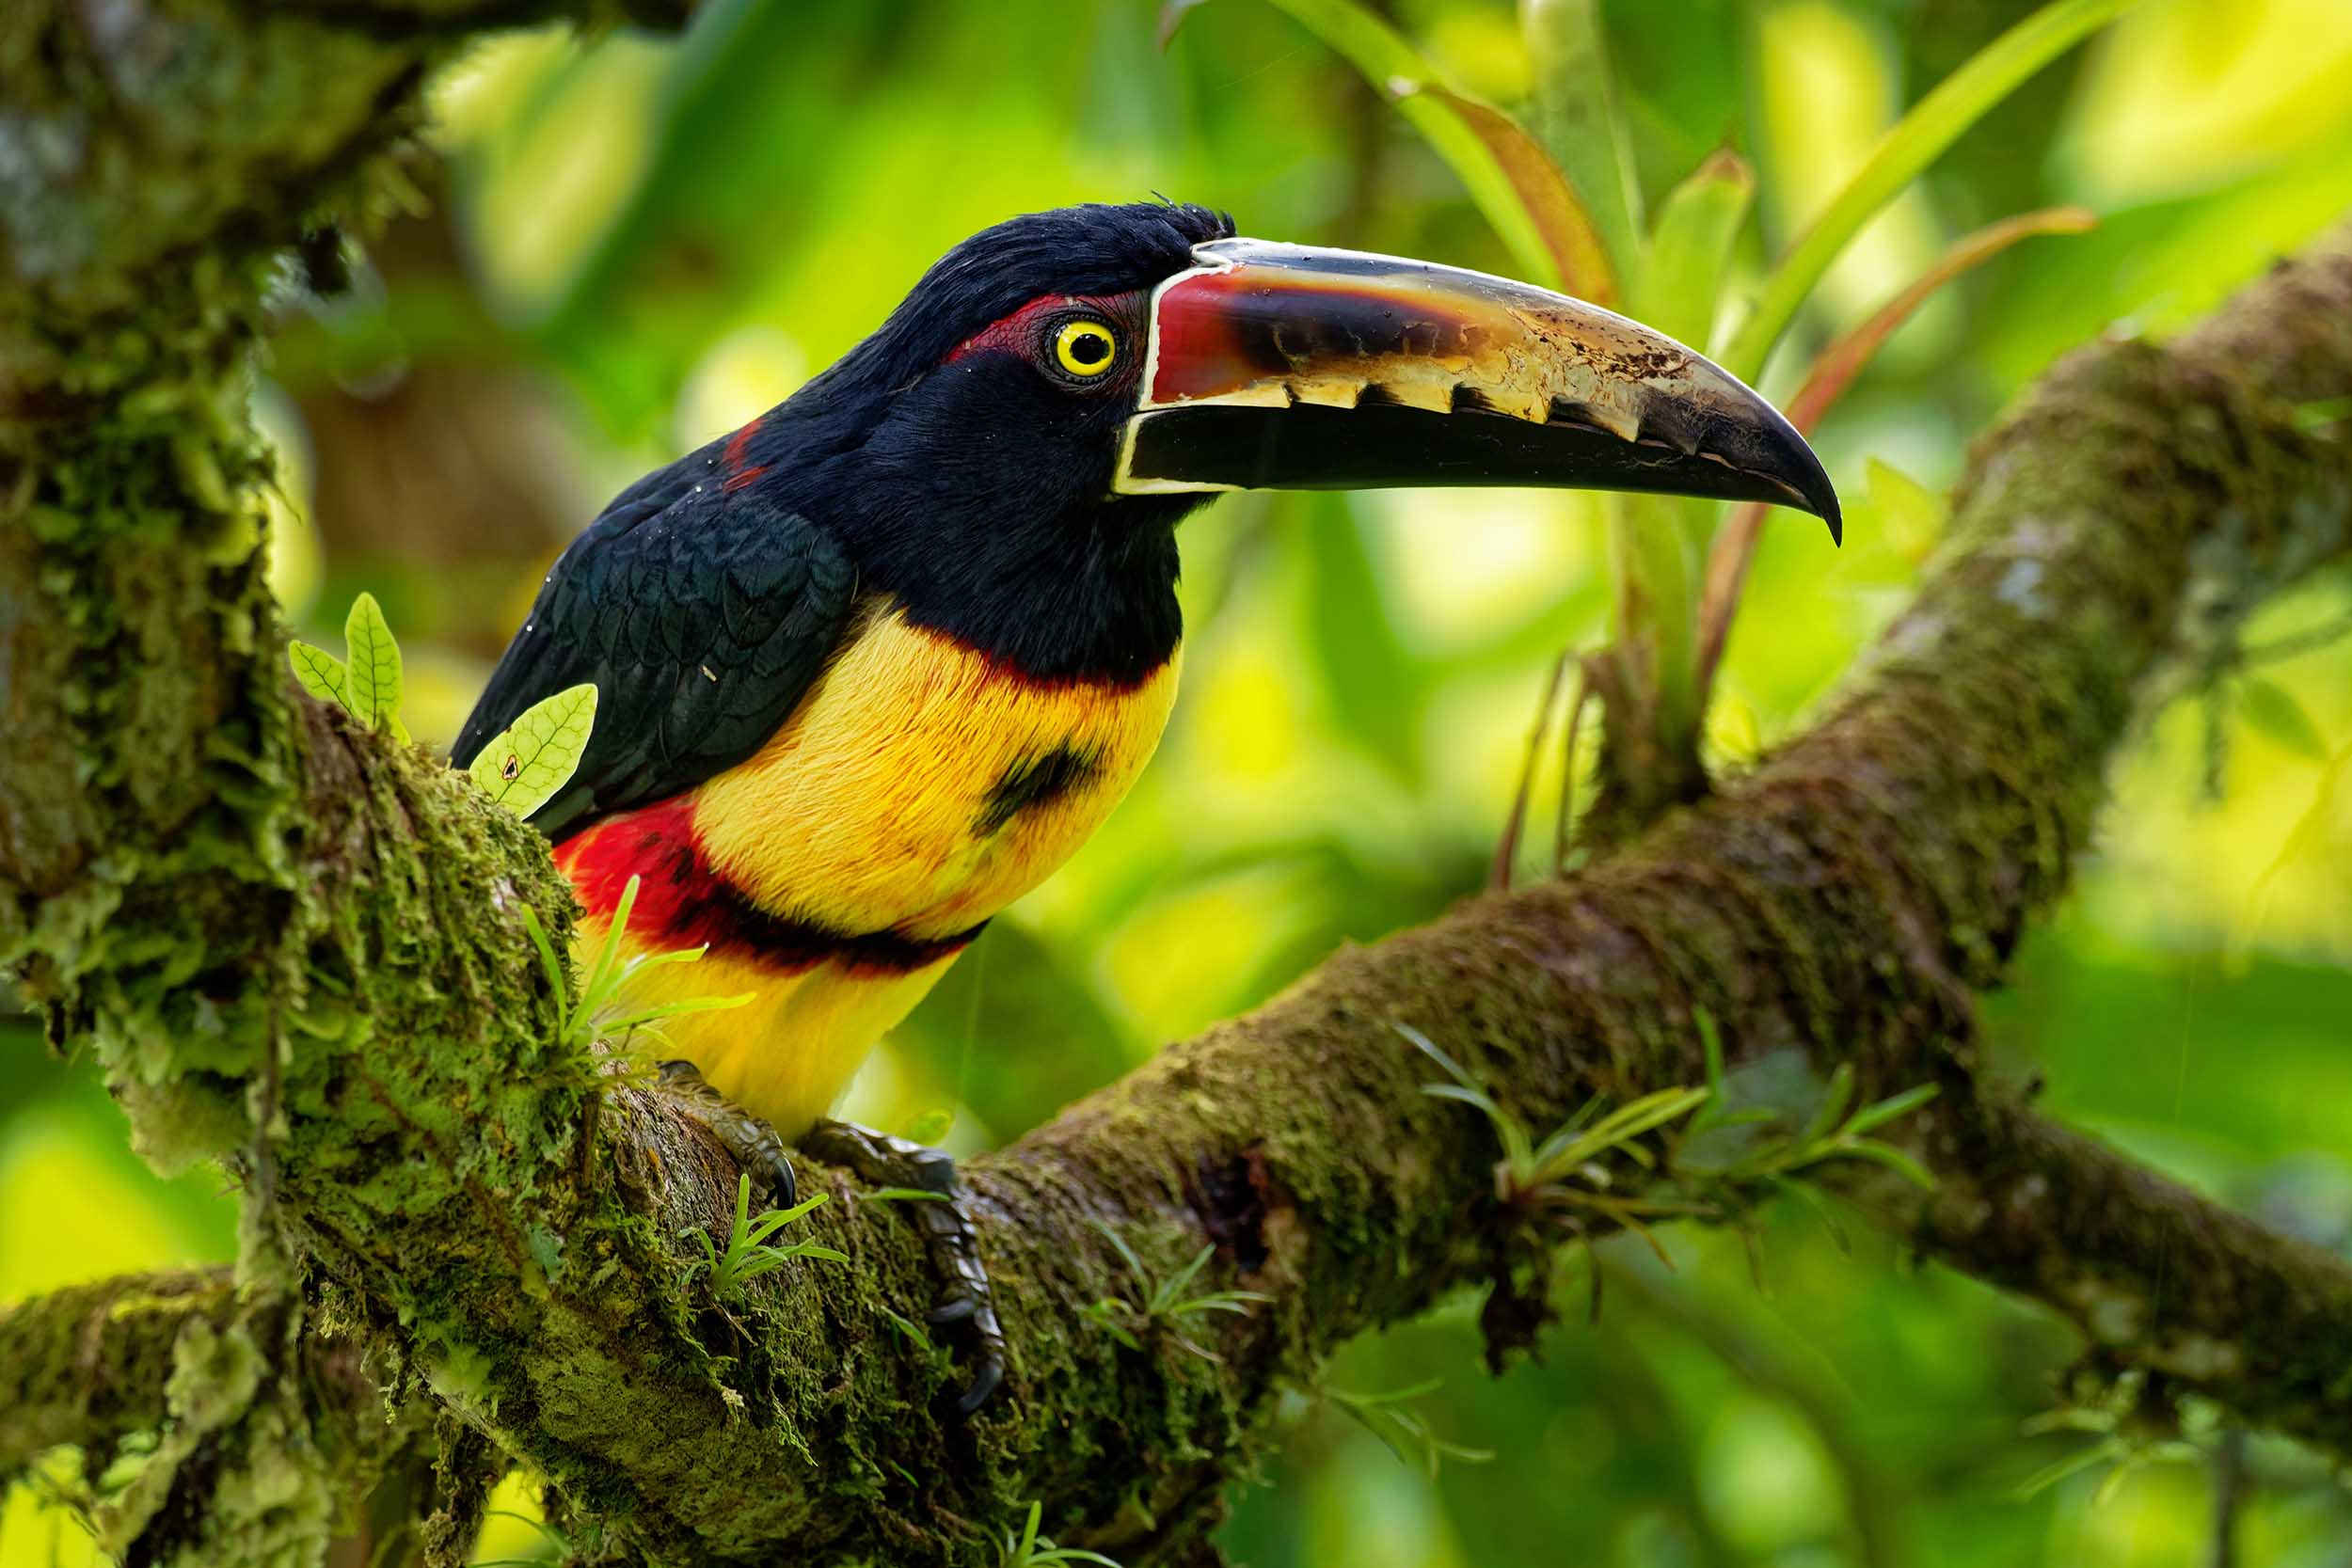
(918, 788)
(923, 785)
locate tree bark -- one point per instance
(297, 949)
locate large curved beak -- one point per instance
(1284, 367)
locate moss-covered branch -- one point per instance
(85, 1368)
(297, 949)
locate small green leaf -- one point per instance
(2311, 418)
(526, 764)
(2274, 713)
(319, 673)
(374, 673)
(1893, 1158)
(1886, 1110)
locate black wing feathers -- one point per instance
(701, 617)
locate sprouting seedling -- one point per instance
(1028, 1549)
(596, 1013)
(1165, 1302)
(1834, 1132)
(2136, 1427)
(748, 1253)
(1565, 1169)
(368, 686)
(1401, 1430)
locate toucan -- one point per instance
(872, 666)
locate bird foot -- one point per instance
(756, 1145)
(888, 1162)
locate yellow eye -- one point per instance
(1085, 348)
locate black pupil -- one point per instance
(1090, 347)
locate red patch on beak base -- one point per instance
(1222, 332)
(1200, 352)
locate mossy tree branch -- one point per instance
(297, 949)
(86, 1367)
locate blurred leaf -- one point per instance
(1690, 249)
(1831, 374)
(374, 676)
(727, 185)
(2160, 267)
(1012, 1032)
(1844, 360)
(1933, 125)
(1910, 515)
(930, 1128)
(1559, 216)
(525, 765)
(1399, 73)
(2182, 93)
(1581, 120)
(2273, 713)
(1375, 686)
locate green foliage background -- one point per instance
(643, 243)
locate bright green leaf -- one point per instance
(2273, 712)
(319, 673)
(528, 762)
(375, 672)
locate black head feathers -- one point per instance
(1098, 249)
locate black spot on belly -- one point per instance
(1033, 782)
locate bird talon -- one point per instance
(885, 1161)
(756, 1145)
(983, 1385)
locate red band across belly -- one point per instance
(685, 901)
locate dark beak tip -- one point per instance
(1805, 475)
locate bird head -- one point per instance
(1059, 390)
(1112, 352)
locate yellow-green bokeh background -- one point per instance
(644, 242)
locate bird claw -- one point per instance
(756, 1146)
(888, 1162)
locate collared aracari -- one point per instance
(870, 667)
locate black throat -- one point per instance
(1089, 596)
